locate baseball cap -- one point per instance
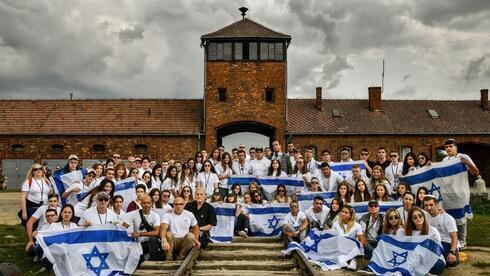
(91, 171)
(72, 156)
(102, 195)
(373, 202)
(259, 149)
(216, 191)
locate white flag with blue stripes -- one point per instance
(124, 188)
(225, 218)
(267, 220)
(361, 208)
(63, 181)
(448, 182)
(305, 199)
(345, 168)
(405, 255)
(327, 249)
(97, 250)
(268, 183)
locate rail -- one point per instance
(304, 265)
(188, 262)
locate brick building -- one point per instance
(245, 90)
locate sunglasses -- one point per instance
(418, 216)
(117, 157)
(51, 215)
(421, 158)
(37, 169)
(165, 195)
(364, 154)
(315, 182)
(207, 165)
(186, 191)
(178, 204)
(281, 191)
(394, 218)
(257, 196)
(103, 199)
(373, 206)
(393, 155)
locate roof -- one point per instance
(396, 117)
(246, 28)
(101, 116)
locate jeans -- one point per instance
(447, 248)
(369, 248)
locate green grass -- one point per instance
(12, 244)
(479, 225)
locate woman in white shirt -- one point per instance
(65, 220)
(300, 171)
(410, 163)
(187, 178)
(347, 226)
(392, 222)
(223, 170)
(171, 181)
(117, 207)
(207, 178)
(156, 176)
(34, 192)
(275, 169)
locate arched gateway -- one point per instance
(248, 132)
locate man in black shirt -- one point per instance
(205, 215)
(368, 163)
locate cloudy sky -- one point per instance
(434, 49)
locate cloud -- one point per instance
(474, 68)
(129, 34)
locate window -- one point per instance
(98, 148)
(271, 51)
(269, 94)
(335, 113)
(57, 148)
(140, 148)
(239, 51)
(404, 150)
(219, 51)
(222, 94)
(252, 51)
(227, 51)
(17, 148)
(212, 51)
(433, 113)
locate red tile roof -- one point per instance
(101, 116)
(397, 117)
(245, 28)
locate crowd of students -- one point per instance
(172, 210)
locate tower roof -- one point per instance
(245, 28)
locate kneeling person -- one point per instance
(175, 233)
(146, 229)
(296, 223)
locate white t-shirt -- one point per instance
(40, 214)
(241, 169)
(223, 183)
(330, 183)
(72, 199)
(312, 166)
(307, 175)
(432, 232)
(179, 225)
(133, 218)
(58, 226)
(155, 183)
(392, 173)
(207, 181)
(260, 167)
(459, 155)
(355, 231)
(92, 215)
(190, 183)
(319, 217)
(295, 222)
(168, 184)
(38, 190)
(445, 224)
(281, 174)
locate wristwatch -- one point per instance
(453, 252)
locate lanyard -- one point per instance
(207, 179)
(41, 187)
(100, 219)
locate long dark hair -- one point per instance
(295, 170)
(157, 166)
(158, 203)
(271, 169)
(411, 225)
(210, 163)
(98, 189)
(419, 202)
(406, 167)
(223, 164)
(60, 219)
(340, 202)
(358, 197)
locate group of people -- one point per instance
(172, 211)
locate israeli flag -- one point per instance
(225, 217)
(269, 184)
(242, 180)
(345, 168)
(305, 199)
(361, 208)
(124, 188)
(97, 250)
(63, 181)
(448, 182)
(327, 249)
(405, 255)
(267, 220)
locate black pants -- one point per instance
(31, 208)
(242, 224)
(204, 238)
(151, 247)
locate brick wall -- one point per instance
(245, 83)
(39, 147)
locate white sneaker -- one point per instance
(352, 265)
(36, 259)
(242, 234)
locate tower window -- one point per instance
(227, 51)
(222, 94)
(98, 148)
(271, 51)
(239, 51)
(269, 94)
(140, 148)
(212, 51)
(17, 148)
(57, 148)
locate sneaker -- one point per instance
(42, 270)
(36, 259)
(353, 265)
(242, 234)
(366, 271)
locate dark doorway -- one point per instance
(479, 153)
(245, 126)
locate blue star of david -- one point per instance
(316, 240)
(273, 222)
(395, 262)
(437, 189)
(102, 258)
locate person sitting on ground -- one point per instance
(295, 223)
(344, 192)
(408, 203)
(65, 219)
(257, 198)
(136, 204)
(205, 215)
(35, 249)
(175, 234)
(334, 214)
(446, 225)
(371, 223)
(99, 214)
(146, 229)
(392, 222)
(242, 223)
(317, 214)
(38, 219)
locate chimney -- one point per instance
(374, 98)
(318, 103)
(484, 99)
